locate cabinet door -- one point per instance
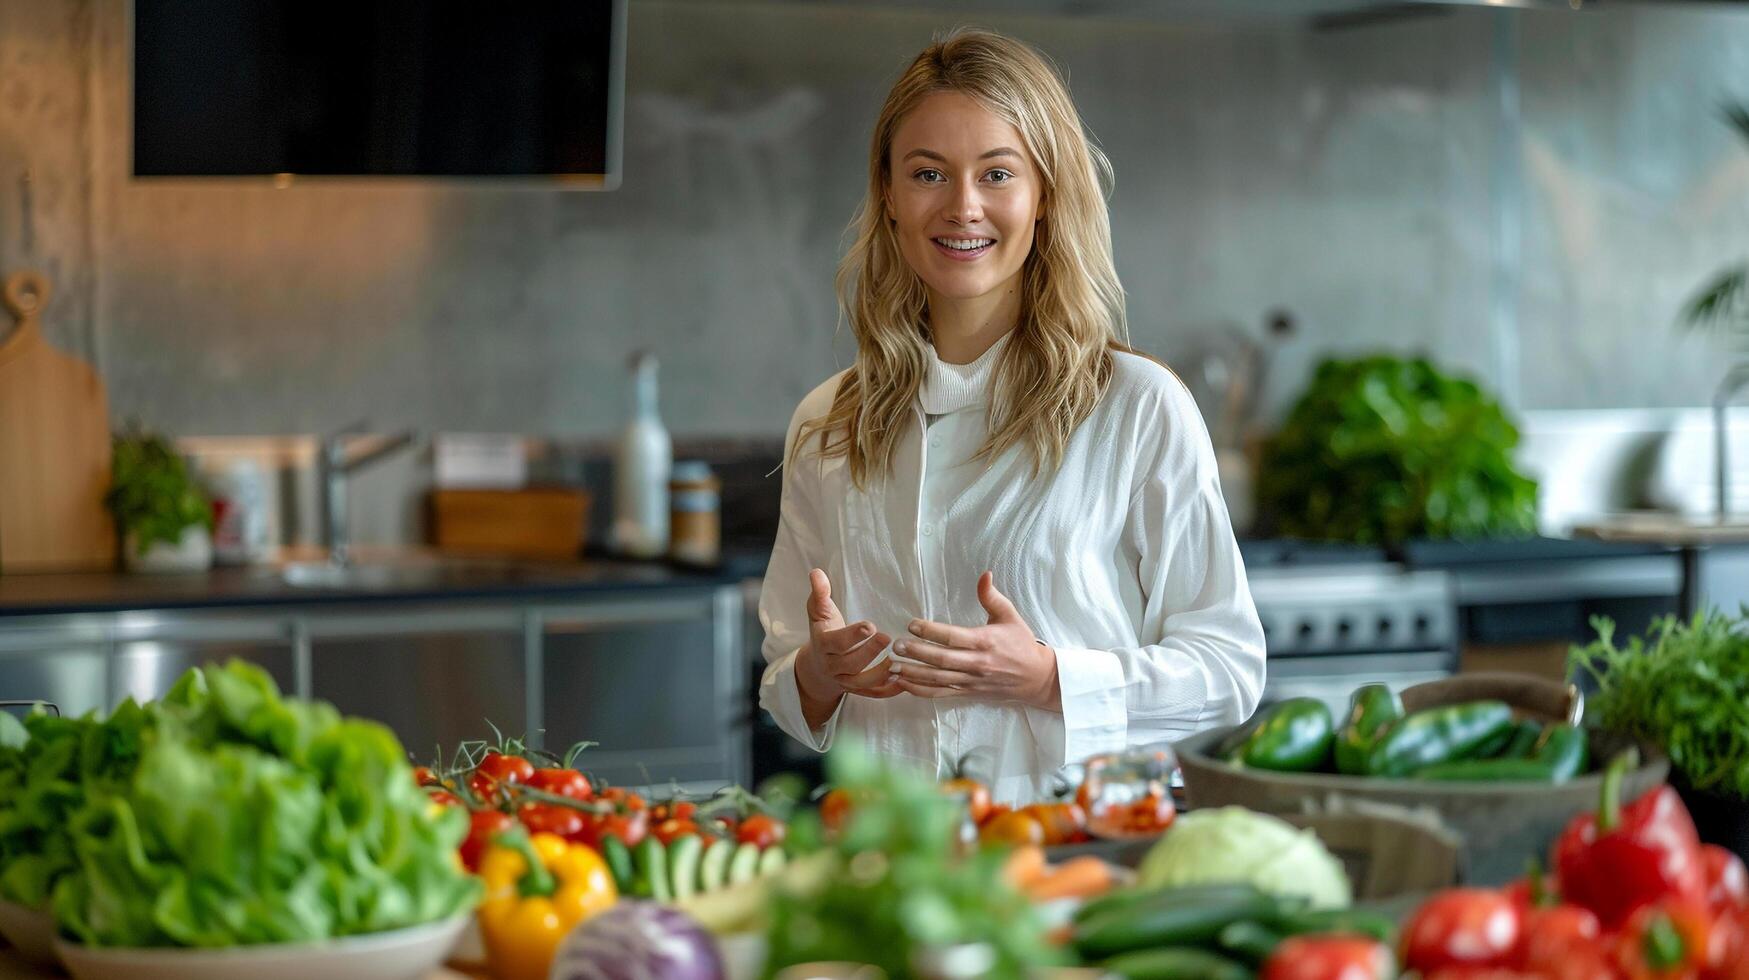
(146, 669)
(74, 678)
(434, 687)
(658, 684)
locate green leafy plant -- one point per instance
(151, 494)
(1682, 687)
(1383, 449)
(1724, 302)
(900, 886)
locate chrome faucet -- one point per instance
(1733, 382)
(336, 465)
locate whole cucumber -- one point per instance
(1153, 924)
(1295, 736)
(1371, 709)
(1180, 895)
(1184, 963)
(1435, 735)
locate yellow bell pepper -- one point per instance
(537, 889)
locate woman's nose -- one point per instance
(964, 205)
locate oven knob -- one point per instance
(1343, 629)
(1305, 631)
(1422, 624)
(1384, 626)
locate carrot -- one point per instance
(1082, 877)
(1025, 866)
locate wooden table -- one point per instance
(1691, 537)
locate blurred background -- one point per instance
(1529, 196)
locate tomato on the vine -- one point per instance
(561, 782)
(551, 818)
(444, 797)
(761, 830)
(501, 768)
(484, 788)
(483, 825)
(674, 828)
(423, 776)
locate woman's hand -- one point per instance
(1000, 661)
(835, 661)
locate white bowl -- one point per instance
(30, 931)
(400, 954)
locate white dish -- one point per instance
(31, 933)
(400, 954)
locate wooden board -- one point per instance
(54, 447)
(533, 523)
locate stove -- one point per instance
(1336, 617)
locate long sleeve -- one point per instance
(784, 596)
(1203, 664)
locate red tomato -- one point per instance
(1330, 958)
(482, 827)
(1727, 880)
(670, 830)
(835, 809)
(1689, 922)
(423, 776)
(444, 797)
(1017, 827)
(561, 782)
(552, 818)
(1462, 927)
(1481, 973)
(761, 830)
(484, 787)
(502, 768)
(1554, 935)
(683, 809)
(630, 828)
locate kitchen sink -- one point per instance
(414, 574)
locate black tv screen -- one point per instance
(400, 88)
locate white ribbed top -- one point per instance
(951, 387)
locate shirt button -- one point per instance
(928, 530)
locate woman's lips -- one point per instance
(963, 255)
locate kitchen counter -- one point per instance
(95, 592)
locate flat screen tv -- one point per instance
(379, 88)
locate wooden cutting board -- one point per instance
(54, 446)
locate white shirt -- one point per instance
(1122, 560)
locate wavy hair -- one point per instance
(1057, 364)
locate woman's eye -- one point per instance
(999, 176)
(929, 176)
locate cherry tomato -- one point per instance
(670, 830)
(501, 768)
(1462, 927)
(835, 809)
(1018, 828)
(444, 797)
(483, 825)
(484, 788)
(1556, 934)
(761, 830)
(561, 782)
(423, 776)
(552, 818)
(976, 794)
(683, 809)
(630, 828)
(1329, 958)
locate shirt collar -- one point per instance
(951, 387)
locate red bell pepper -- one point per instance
(1555, 935)
(1666, 940)
(1333, 957)
(1623, 858)
(1727, 881)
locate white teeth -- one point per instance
(966, 245)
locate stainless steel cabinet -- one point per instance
(436, 679)
(656, 682)
(152, 652)
(72, 677)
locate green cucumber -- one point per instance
(619, 863)
(772, 860)
(744, 864)
(1185, 963)
(652, 861)
(1559, 755)
(713, 868)
(1372, 709)
(1350, 920)
(1248, 941)
(1524, 740)
(1436, 735)
(1153, 924)
(683, 855)
(1295, 736)
(1184, 894)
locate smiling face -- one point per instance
(964, 196)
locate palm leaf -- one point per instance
(1724, 302)
(1737, 115)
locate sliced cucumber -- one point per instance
(619, 863)
(683, 857)
(652, 861)
(744, 864)
(713, 868)
(772, 860)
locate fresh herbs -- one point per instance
(151, 495)
(901, 889)
(1683, 687)
(1382, 449)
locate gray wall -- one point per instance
(1367, 180)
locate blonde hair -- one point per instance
(1058, 364)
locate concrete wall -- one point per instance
(1362, 179)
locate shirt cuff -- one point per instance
(1094, 716)
(780, 694)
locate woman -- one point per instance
(1002, 546)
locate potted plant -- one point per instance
(1682, 687)
(1724, 303)
(165, 518)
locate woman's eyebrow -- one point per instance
(1000, 151)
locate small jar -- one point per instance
(1127, 795)
(695, 527)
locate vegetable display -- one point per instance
(1235, 845)
(636, 941)
(537, 890)
(226, 815)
